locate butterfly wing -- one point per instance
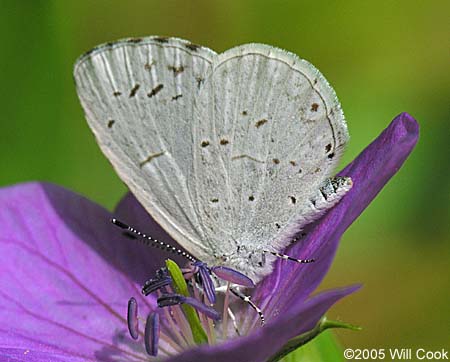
(225, 152)
(138, 97)
(268, 131)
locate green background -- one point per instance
(382, 58)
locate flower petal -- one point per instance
(266, 341)
(290, 282)
(63, 287)
(31, 355)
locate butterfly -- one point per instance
(230, 153)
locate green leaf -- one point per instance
(323, 348)
(180, 287)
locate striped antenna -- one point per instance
(149, 241)
(246, 299)
(287, 257)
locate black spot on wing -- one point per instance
(224, 141)
(204, 143)
(176, 70)
(155, 90)
(174, 98)
(134, 40)
(111, 123)
(193, 47)
(134, 90)
(162, 39)
(260, 122)
(117, 93)
(199, 81)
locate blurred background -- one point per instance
(381, 57)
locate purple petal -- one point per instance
(62, 285)
(132, 318)
(207, 283)
(202, 308)
(31, 355)
(266, 341)
(152, 334)
(292, 283)
(233, 276)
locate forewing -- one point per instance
(269, 131)
(138, 97)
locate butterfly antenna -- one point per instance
(287, 257)
(149, 241)
(246, 299)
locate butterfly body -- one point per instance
(231, 153)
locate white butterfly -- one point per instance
(229, 153)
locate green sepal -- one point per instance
(180, 287)
(304, 338)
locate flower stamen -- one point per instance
(151, 335)
(132, 318)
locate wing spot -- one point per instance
(331, 155)
(176, 70)
(300, 170)
(293, 163)
(134, 90)
(204, 143)
(251, 198)
(214, 200)
(224, 142)
(278, 226)
(110, 123)
(200, 81)
(315, 81)
(151, 158)
(260, 123)
(328, 148)
(244, 113)
(162, 39)
(176, 97)
(293, 199)
(117, 93)
(193, 47)
(276, 161)
(314, 107)
(155, 90)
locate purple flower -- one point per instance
(67, 272)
